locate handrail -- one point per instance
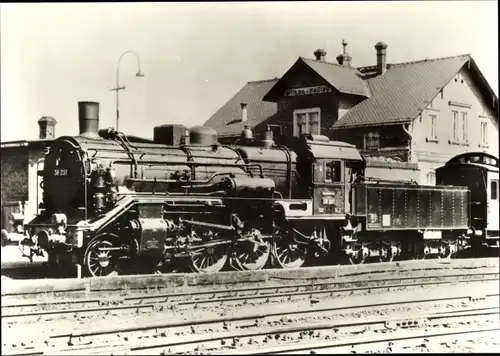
(208, 164)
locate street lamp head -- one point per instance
(139, 73)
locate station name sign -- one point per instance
(308, 90)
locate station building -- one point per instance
(406, 118)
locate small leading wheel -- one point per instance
(289, 255)
(99, 263)
(208, 259)
(251, 259)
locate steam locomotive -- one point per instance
(110, 203)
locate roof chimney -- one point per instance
(47, 126)
(344, 58)
(381, 57)
(244, 114)
(320, 54)
(88, 118)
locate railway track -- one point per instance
(352, 342)
(286, 331)
(63, 308)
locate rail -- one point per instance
(236, 332)
(104, 304)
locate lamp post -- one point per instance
(117, 88)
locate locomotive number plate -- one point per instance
(328, 201)
(61, 172)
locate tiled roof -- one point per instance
(344, 79)
(402, 92)
(225, 120)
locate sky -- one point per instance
(196, 56)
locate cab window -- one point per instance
(328, 173)
(494, 189)
(333, 172)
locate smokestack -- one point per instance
(47, 126)
(244, 113)
(381, 57)
(88, 118)
(320, 54)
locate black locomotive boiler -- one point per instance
(109, 203)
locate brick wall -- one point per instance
(14, 174)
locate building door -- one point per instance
(492, 203)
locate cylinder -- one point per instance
(88, 118)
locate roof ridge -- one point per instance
(367, 68)
(432, 59)
(263, 81)
(326, 62)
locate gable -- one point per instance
(299, 75)
(308, 73)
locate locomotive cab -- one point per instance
(332, 169)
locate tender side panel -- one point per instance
(372, 209)
(436, 208)
(399, 212)
(412, 210)
(461, 208)
(386, 202)
(423, 205)
(448, 208)
(412, 207)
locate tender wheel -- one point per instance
(100, 263)
(288, 255)
(360, 257)
(247, 259)
(357, 260)
(208, 259)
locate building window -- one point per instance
(464, 127)
(372, 141)
(434, 127)
(455, 126)
(484, 133)
(459, 127)
(306, 121)
(431, 178)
